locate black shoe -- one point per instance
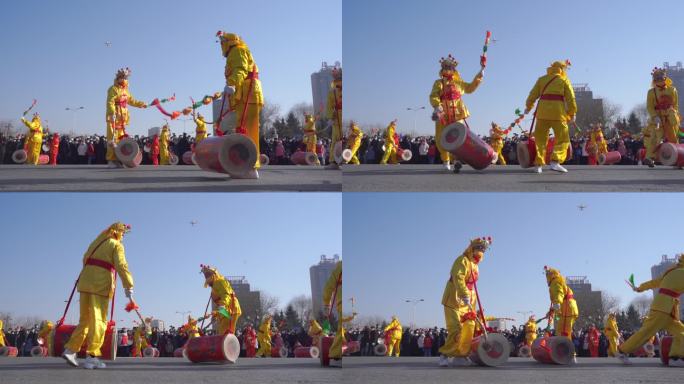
(457, 167)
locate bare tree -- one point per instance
(269, 113)
(268, 304)
(611, 111)
(609, 303)
(641, 113)
(300, 109)
(303, 305)
(642, 304)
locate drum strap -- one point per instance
(534, 116)
(669, 292)
(241, 128)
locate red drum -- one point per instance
(304, 158)
(467, 146)
(128, 152)
(307, 352)
(337, 152)
(380, 350)
(352, 347)
(43, 159)
(326, 342)
(609, 158)
(263, 159)
(221, 349)
(233, 154)
(671, 154)
(665, 345)
(347, 155)
(279, 352)
(646, 350)
(61, 335)
(151, 352)
(525, 351)
(491, 351)
(39, 351)
(527, 152)
(8, 351)
(173, 159)
(553, 350)
(179, 352)
(188, 158)
(404, 154)
(19, 156)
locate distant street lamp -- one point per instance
(415, 109)
(415, 303)
(73, 111)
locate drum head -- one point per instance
(453, 136)
(562, 350)
(649, 348)
(173, 159)
(380, 350)
(492, 350)
(231, 348)
(149, 352)
(314, 352)
(37, 351)
(523, 152)
(668, 154)
(525, 351)
(263, 159)
(406, 155)
(602, 158)
(310, 158)
(46, 148)
(282, 352)
(127, 152)
(238, 154)
(19, 156)
(347, 155)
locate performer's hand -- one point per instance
(527, 110)
(129, 293)
(144, 106)
(229, 90)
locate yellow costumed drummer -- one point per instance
(459, 300)
(315, 331)
(530, 331)
(118, 100)
(34, 139)
(354, 142)
(227, 309)
(243, 89)
(200, 129)
(104, 257)
(164, 145)
(264, 335)
(393, 333)
(190, 328)
(334, 114)
(612, 334)
(662, 104)
(563, 304)
(45, 328)
(390, 145)
(332, 296)
(497, 136)
(310, 138)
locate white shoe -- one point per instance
(537, 169)
(554, 166)
(93, 363)
(443, 361)
(624, 359)
(460, 362)
(252, 174)
(574, 360)
(676, 363)
(447, 166)
(112, 164)
(70, 357)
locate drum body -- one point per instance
(380, 350)
(8, 351)
(324, 356)
(553, 350)
(188, 157)
(467, 146)
(665, 346)
(219, 349)
(609, 158)
(179, 352)
(151, 352)
(19, 156)
(233, 154)
(404, 154)
(43, 159)
(263, 159)
(304, 158)
(307, 352)
(128, 152)
(671, 154)
(525, 351)
(526, 151)
(39, 351)
(173, 159)
(352, 347)
(491, 351)
(278, 351)
(61, 335)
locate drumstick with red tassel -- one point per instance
(132, 306)
(483, 58)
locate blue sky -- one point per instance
(272, 239)
(401, 246)
(392, 48)
(55, 51)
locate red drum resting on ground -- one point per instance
(553, 350)
(608, 158)
(380, 349)
(173, 159)
(39, 351)
(278, 352)
(128, 152)
(491, 351)
(525, 351)
(304, 158)
(43, 159)
(307, 352)
(233, 154)
(61, 335)
(404, 154)
(352, 347)
(19, 156)
(151, 352)
(189, 158)
(467, 146)
(665, 345)
(219, 349)
(346, 155)
(671, 154)
(324, 356)
(179, 352)
(526, 151)
(8, 351)
(263, 159)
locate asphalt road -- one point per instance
(379, 370)
(170, 370)
(512, 178)
(147, 178)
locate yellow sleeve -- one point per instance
(556, 292)
(535, 93)
(238, 62)
(435, 100)
(459, 273)
(331, 286)
(651, 284)
(220, 289)
(650, 103)
(675, 95)
(121, 266)
(569, 95)
(135, 102)
(111, 107)
(26, 123)
(330, 106)
(472, 86)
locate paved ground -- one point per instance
(147, 178)
(168, 370)
(512, 178)
(380, 370)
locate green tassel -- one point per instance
(631, 280)
(224, 313)
(326, 326)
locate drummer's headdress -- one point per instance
(559, 67)
(118, 229)
(122, 74)
(480, 243)
(660, 74)
(337, 73)
(210, 274)
(228, 40)
(448, 62)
